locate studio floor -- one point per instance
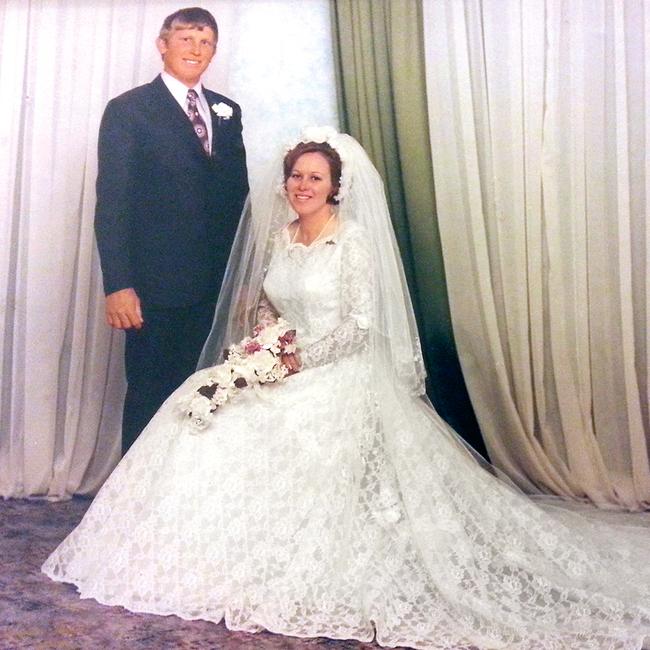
(40, 614)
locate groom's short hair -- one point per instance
(189, 18)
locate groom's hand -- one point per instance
(123, 309)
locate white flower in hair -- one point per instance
(320, 134)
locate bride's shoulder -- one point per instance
(351, 228)
(352, 231)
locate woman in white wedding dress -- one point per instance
(337, 503)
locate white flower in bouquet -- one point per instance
(220, 396)
(277, 373)
(270, 334)
(201, 411)
(264, 361)
(244, 370)
(222, 375)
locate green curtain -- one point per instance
(379, 54)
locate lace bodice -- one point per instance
(325, 290)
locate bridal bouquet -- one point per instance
(255, 360)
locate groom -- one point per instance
(170, 188)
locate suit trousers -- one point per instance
(158, 358)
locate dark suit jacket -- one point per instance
(167, 213)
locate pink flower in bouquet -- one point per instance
(252, 346)
(287, 342)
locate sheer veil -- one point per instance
(393, 340)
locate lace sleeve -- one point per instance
(266, 314)
(356, 303)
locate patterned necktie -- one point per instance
(197, 121)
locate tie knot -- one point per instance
(192, 96)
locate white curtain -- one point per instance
(60, 62)
(540, 138)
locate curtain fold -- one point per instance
(62, 379)
(539, 136)
(382, 102)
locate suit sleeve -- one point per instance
(236, 170)
(115, 181)
(243, 171)
(241, 174)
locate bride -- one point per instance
(336, 502)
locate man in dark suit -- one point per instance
(170, 188)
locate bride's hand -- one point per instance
(292, 362)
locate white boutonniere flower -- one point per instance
(222, 110)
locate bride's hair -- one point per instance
(329, 153)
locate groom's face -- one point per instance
(187, 52)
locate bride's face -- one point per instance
(309, 185)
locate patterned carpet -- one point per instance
(38, 614)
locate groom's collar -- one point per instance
(179, 90)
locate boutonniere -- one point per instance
(222, 110)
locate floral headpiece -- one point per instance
(334, 139)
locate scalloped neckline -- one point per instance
(319, 239)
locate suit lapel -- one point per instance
(215, 133)
(216, 127)
(175, 121)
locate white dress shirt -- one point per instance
(179, 90)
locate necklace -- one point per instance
(322, 230)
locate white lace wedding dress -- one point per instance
(333, 505)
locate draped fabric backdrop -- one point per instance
(541, 154)
(382, 102)
(60, 62)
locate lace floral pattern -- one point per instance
(332, 505)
